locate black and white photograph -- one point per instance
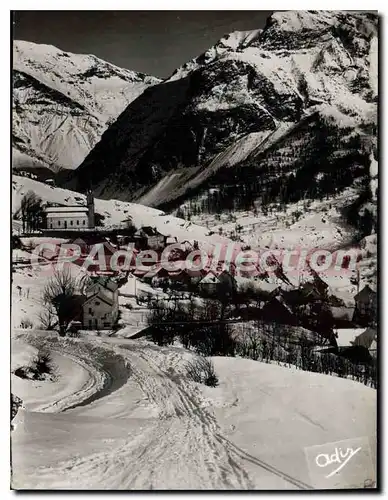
(194, 250)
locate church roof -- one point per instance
(66, 214)
(60, 210)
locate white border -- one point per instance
(5, 147)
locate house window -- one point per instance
(71, 223)
(51, 225)
(83, 222)
(77, 222)
(97, 303)
(90, 311)
(90, 322)
(59, 223)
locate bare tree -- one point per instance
(48, 317)
(31, 212)
(60, 292)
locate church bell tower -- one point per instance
(90, 205)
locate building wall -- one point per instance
(99, 314)
(209, 288)
(156, 242)
(79, 221)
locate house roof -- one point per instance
(66, 214)
(98, 296)
(105, 282)
(147, 231)
(364, 293)
(209, 278)
(278, 301)
(366, 338)
(347, 336)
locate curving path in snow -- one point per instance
(157, 430)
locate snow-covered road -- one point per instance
(156, 430)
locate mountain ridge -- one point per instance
(62, 103)
(246, 89)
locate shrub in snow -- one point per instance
(26, 323)
(202, 371)
(41, 368)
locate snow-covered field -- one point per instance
(158, 430)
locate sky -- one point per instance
(147, 41)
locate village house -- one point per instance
(149, 237)
(367, 338)
(365, 312)
(97, 254)
(342, 315)
(278, 311)
(218, 282)
(74, 218)
(100, 305)
(180, 279)
(358, 343)
(208, 285)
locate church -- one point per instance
(72, 217)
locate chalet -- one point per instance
(315, 290)
(209, 284)
(101, 252)
(180, 279)
(366, 338)
(365, 312)
(104, 285)
(149, 237)
(100, 304)
(150, 274)
(342, 315)
(346, 337)
(278, 311)
(357, 344)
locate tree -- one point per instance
(48, 317)
(180, 213)
(32, 212)
(60, 293)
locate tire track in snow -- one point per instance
(179, 450)
(182, 449)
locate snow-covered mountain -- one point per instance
(307, 79)
(63, 102)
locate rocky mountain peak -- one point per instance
(62, 103)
